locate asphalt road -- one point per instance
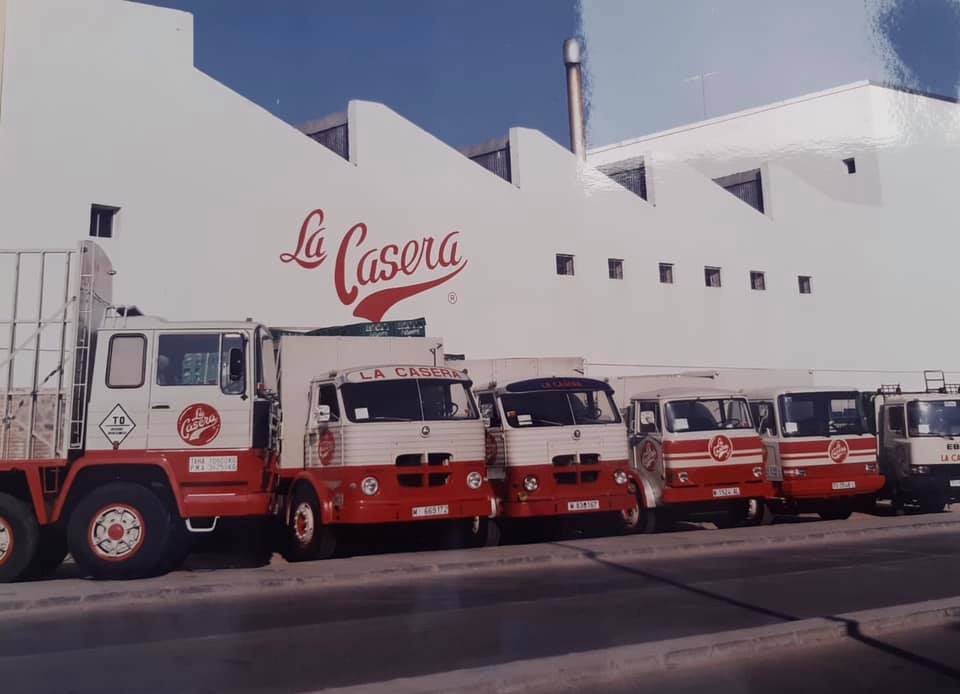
(923, 660)
(347, 636)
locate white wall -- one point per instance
(102, 105)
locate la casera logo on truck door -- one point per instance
(198, 424)
(361, 265)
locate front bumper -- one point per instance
(831, 482)
(563, 491)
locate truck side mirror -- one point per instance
(486, 413)
(236, 365)
(321, 415)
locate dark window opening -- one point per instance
(666, 273)
(497, 161)
(851, 165)
(758, 280)
(746, 186)
(615, 268)
(804, 282)
(336, 139)
(564, 264)
(102, 221)
(711, 276)
(633, 179)
(328, 397)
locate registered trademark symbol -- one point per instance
(452, 297)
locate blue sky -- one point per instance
(464, 70)
(467, 70)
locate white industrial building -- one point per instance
(210, 207)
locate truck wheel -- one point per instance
(737, 514)
(630, 518)
(933, 503)
(759, 512)
(481, 532)
(120, 531)
(51, 552)
(306, 537)
(838, 510)
(19, 537)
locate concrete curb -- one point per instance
(583, 671)
(57, 596)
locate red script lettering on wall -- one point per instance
(360, 266)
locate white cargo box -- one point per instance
(484, 371)
(305, 358)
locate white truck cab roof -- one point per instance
(774, 392)
(393, 372)
(687, 392)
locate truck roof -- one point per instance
(774, 391)
(686, 391)
(394, 372)
(119, 322)
(552, 383)
(901, 398)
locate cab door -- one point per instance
(765, 421)
(200, 391)
(118, 413)
(323, 443)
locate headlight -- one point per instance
(531, 483)
(870, 467)
(474, 480)
(794, 473)
(620, 477)
(920, 469)
(683, 477)
(757, 472)
(370, 486)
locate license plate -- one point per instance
(955, 483)
(727, 491)
(426, 511)
(591, 505)
(213, 463)
(844, 485)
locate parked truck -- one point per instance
(556, 444)
(696, 451)
(376, 432)
(818, 437)
(123, 434)
(918, 435)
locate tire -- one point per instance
(629, 519)
(19, 538)
(481, 532)
(121, 531)
(180, 546)
(760, 513)
(933, 503)
(838, 510)
(305, 537)
(51, 552)
(736, 515)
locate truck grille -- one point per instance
(412, 477)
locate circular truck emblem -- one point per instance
(649, 455)
(327, 448)
(199, 424)
(721, 448)
(576, 434)
(424, 431)
(839, 450)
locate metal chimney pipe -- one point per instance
(578, 135)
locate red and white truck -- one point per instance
(122, 433)
(556, 444)
(695, 450)
(374, 432)
(819, 438)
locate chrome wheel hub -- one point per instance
(116, 532)
(303, 523)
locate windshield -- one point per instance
(822, 414)
(707, 415)
(559, 408)
(408, 400)
(934, 418)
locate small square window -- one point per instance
(666, 273)
(851, 165)
(758, 280)
(615, 266)
(711, 276)
(102, 221)
(805, 286)
(564, 264)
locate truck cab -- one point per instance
(918, 436)
(390, 444)
(818, 437)
(697, 452)
(557, 447)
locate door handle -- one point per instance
(160, 407)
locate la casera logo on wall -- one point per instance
(373, 278)
(198, 424)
